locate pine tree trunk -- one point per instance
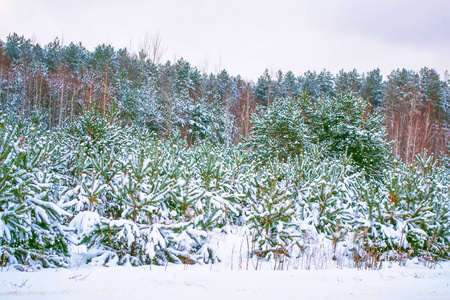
(169, 118)
(105, 89)
(40, 106)
(24, 96)
(409, 134)
(395, 133)
(416, 136)
(50, 113)
(247, 112)
(427, 127)
(61, 107)
(72, 109)
(90, 97)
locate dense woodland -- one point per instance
(142, 162)
(63, 81)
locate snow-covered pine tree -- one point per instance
(270, 216)
(348, 82)
(344, 126)
(372, 87)
(32, 230)
(278, 131)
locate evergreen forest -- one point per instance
(141, 161)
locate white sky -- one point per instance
(245, 37)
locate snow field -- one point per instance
(220, 282)
(237, 276)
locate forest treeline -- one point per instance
(62, 81)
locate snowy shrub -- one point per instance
(344, 125)
(279, 131)
(270, 215)
(32, 230)
(209, 125)
(341, 125)
(162, 208)
(126, 242)
(93, 132)
(406, 215)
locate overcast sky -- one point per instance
(246, 37)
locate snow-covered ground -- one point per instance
(220, 282)
(235, 277)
